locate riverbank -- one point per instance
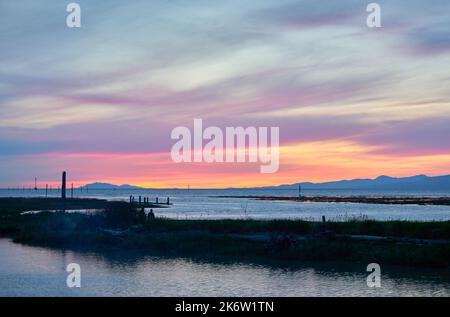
(17, 205)
(120, 225)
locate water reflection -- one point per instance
(33, 271)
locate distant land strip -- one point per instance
(388, 200)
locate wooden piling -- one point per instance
(63, 186)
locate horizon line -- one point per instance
(255, 187)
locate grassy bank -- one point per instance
(16, 205)
(419, 230)
(120, 225)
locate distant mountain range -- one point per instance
(109, 186)
(418, 182)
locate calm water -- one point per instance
(201, 204)
(32, 271)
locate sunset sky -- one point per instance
(100, 101)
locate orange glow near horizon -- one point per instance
(300, 162)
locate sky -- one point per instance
(101, 101)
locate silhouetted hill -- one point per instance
(98, 185)
(418, 182)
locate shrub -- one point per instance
(122, 214)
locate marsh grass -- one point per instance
(410, 229)
(14, 205)
(119, 225)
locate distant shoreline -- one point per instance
(384, 200)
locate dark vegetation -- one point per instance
(421, 230)
(124, 226)
(12, 206)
